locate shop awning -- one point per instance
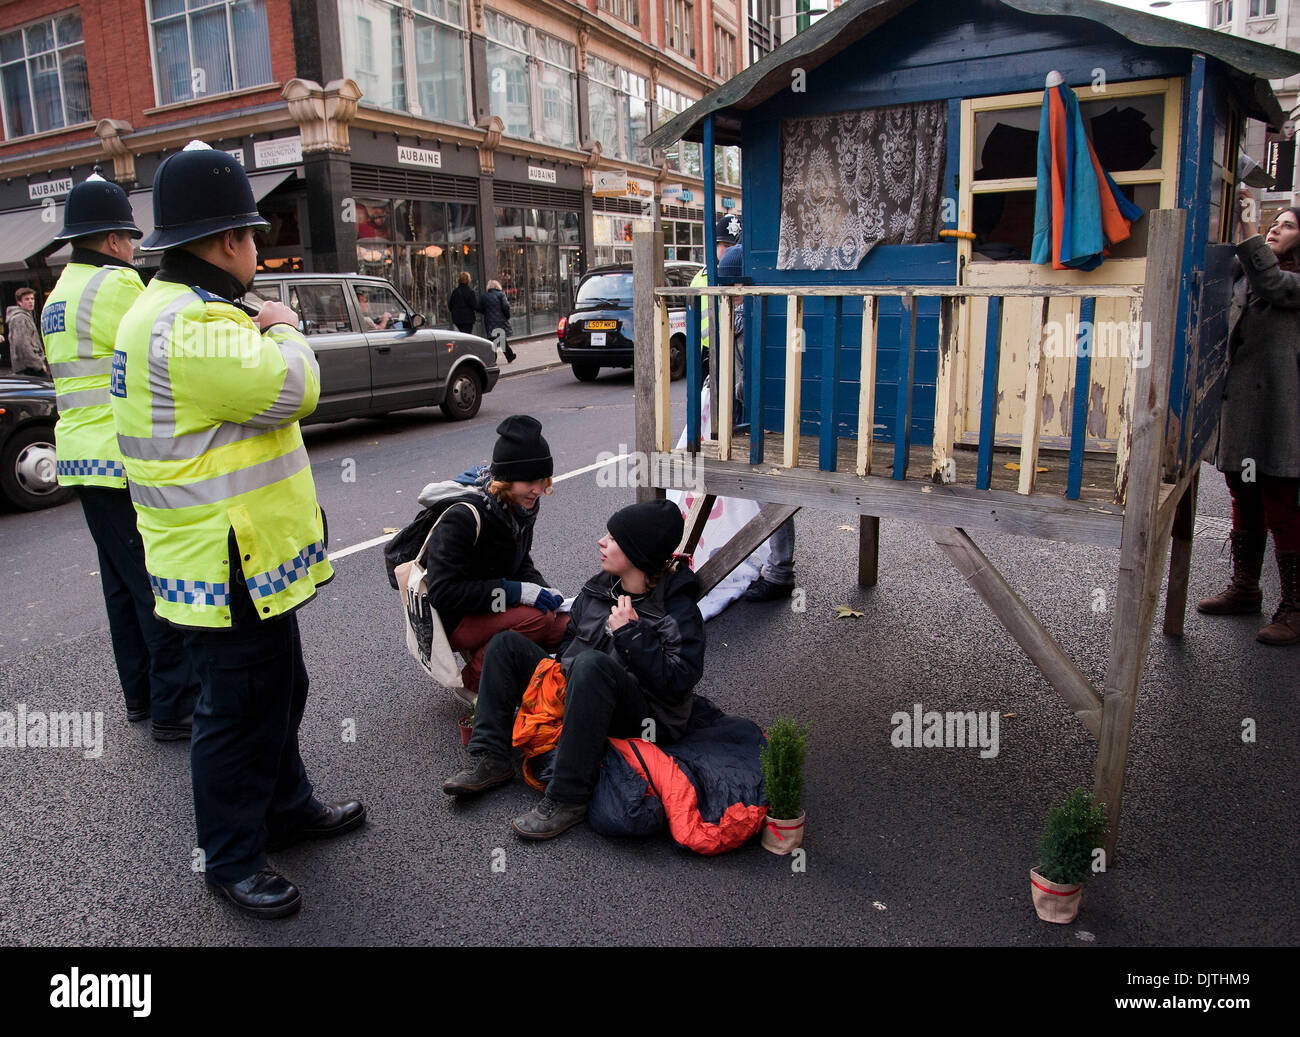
(29, 232)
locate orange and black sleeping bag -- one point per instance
(707, 787)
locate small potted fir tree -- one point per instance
(1074, 832)
(467, 723)
(782, 761)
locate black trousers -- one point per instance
(601, 700)
(152, 665)
(249, 780)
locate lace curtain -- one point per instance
(853, 180)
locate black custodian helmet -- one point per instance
(197, 192)
(95, 206)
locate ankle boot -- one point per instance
(1242, 595)
(1285, 628)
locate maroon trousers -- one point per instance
(473, 633)
(1267, 505)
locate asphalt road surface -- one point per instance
(905, 846)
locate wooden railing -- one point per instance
(942, 460)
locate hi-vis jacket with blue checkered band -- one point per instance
(207, 410)
(701, 280)
(79, 324)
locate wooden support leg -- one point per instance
(696, 519)
(1180, 559)
(1143, 541)
(721, 564)
(868, 550)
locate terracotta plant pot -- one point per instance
(1053, 901)
(782, 836)
(466, 729)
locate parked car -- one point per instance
(598, 331)
(376, 355)
(27, 465)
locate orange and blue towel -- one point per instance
(1079, 210)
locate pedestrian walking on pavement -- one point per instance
(1259, 431)
(495, 308)
(481, 577)
(79, 322)
(207, 401)
(633, 652)
(26, 351)
(462, 304)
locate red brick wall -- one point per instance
(120, 69)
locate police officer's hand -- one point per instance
(275, 313)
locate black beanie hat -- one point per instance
(521, 454)
(648, 533)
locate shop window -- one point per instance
(200, 50)
(374, 219)
(43, 74)
(532, 81)
(619, 110)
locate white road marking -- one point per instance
(334, 556)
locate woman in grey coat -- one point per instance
(1259, 430)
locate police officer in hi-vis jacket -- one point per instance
(79, 324)
(207, 401)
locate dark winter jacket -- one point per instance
(463, 574)
(1260, 418)
(663, 650)
(463, 305)
(495, 308)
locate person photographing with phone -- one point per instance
(1259, 430)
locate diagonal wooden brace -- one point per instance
(742, 545)
(1023, 625)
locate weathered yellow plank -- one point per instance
(867, 386)
(793, 377)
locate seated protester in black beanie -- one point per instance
(634, 650)
(482, 579)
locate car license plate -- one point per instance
(598, 338)
(601, 325)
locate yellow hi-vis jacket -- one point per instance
(207, 410)
(79, 324)
(701, 280)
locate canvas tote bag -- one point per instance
(426, 639)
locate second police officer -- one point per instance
(79, 323)
(207, 401)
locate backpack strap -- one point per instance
(478, 524)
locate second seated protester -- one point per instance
(481, 576)
(633, 653)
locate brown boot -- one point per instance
(1242, 595)
(1285, 628)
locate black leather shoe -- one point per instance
(135, 712)
(762, 590)
(486, 772)
(268, 894)
(175, 730)
(333, 819)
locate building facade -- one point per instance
(410, 138)
(1276, 23)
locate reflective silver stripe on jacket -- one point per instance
(186, 447)
(82, 368)
(85, 398)
(298, 359)
(162, 403)
(221, 487)
(85, 306)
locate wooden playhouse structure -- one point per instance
(900, 388)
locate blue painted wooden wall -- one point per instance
(935, 50)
